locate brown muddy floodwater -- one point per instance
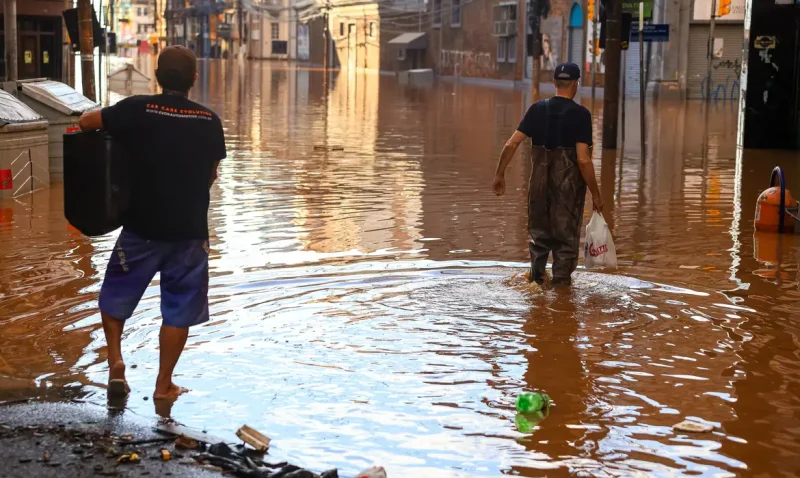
(362, 307)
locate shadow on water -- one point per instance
(365, 305)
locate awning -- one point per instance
(411, 41)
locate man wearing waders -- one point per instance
(561, 139)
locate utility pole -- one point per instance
(10, 18)
(68, 57)
(325, 47)
(711, 25)
(611, 85)
(240, 24)
(156, 26)
(111, 8)
(642, 79)
(86, 34)
(536, 46)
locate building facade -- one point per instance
(273, 27)
(39, 39)
(478, 39)
(210, 28)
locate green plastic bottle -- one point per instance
(526, 423)
(530, 402)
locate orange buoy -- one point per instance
(768, 211)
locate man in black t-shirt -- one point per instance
(561, 139)
(174, 147)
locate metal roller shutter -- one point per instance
(725, 71)
(575, 45)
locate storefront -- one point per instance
(727, 62)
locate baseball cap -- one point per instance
(178, 63)
(567, 71)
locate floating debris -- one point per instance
(165, 455)
(253, 437)
(691, 426)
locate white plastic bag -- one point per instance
(599, 251)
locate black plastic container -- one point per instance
(95, 182)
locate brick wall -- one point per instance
(470, 49)
(38, 7)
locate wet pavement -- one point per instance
(367, 305)
(77, 440)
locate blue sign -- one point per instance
(652, 32)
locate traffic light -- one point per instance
(590, 10)
(724, 8)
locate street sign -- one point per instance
(632, 7)
(652, 32)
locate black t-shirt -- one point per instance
(172, 144)
(569, 123)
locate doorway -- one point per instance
(575, 35)
(28, 56)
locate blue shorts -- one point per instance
(184, 279)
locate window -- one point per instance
(511, 49)
(280, 47)
(144, 11)
(501, 50)
(276, 29)
(401, 54)
(505, 13)
(341, 29)
(455, 21)
(372, 29)
(139, 11)
(437, 12)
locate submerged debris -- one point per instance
(692, 427)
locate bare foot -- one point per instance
(117, 385)
(171, 393)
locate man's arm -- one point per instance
(217, 148)
(91, 121)
(214, 172)
(587, 171)
(499, 183)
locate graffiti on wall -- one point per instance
(721, 90)
(466, 63)
(724, 90)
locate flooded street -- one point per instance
(367, 305)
